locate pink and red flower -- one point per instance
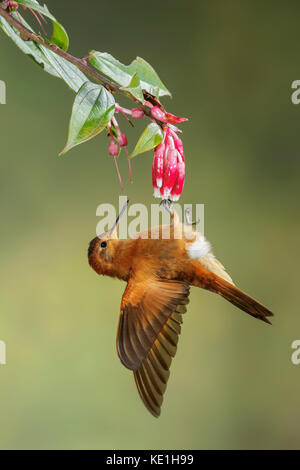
(168, 168)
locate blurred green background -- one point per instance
(230, 66)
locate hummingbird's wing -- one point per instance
(152, 376)
(149, 327)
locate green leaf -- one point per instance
(150, 138)
(150, 81)
(107, 64)
(73, 76)
(48, 60)
(92, 110)
(123, 74)
(59, 36)
(134, 88)
(28, 47)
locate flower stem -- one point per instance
(118, 173)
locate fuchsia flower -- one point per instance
(168, 168)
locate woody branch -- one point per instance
(81, 64)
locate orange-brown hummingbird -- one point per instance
(159, 266)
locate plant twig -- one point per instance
(110, 85)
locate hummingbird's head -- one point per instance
(102, 251)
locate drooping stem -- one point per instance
(129, 166)
(118, 173)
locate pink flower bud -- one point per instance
(171, 119)
(170, 172)
(137, 113)
(158, 114)
(122, 139)
(147, 103)
(113, 148)
(178, 186)
(13, 6)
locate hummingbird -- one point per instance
(159, 266)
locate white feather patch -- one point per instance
(198, 248)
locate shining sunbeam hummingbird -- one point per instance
(159, 266)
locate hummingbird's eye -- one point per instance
(103, 244)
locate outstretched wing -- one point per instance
(149, 326)
(152, 376)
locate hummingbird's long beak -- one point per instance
(113, 230)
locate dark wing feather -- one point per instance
(149, 327)
(152, 376)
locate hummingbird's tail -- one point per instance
(201, 276)
(241, 300)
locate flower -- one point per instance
(168, 168)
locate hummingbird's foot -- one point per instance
(168, 205)
(187, 214)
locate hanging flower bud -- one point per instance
(113, 148)
(122, 139)
(137, 113)
(11, 5)
(168, 168)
